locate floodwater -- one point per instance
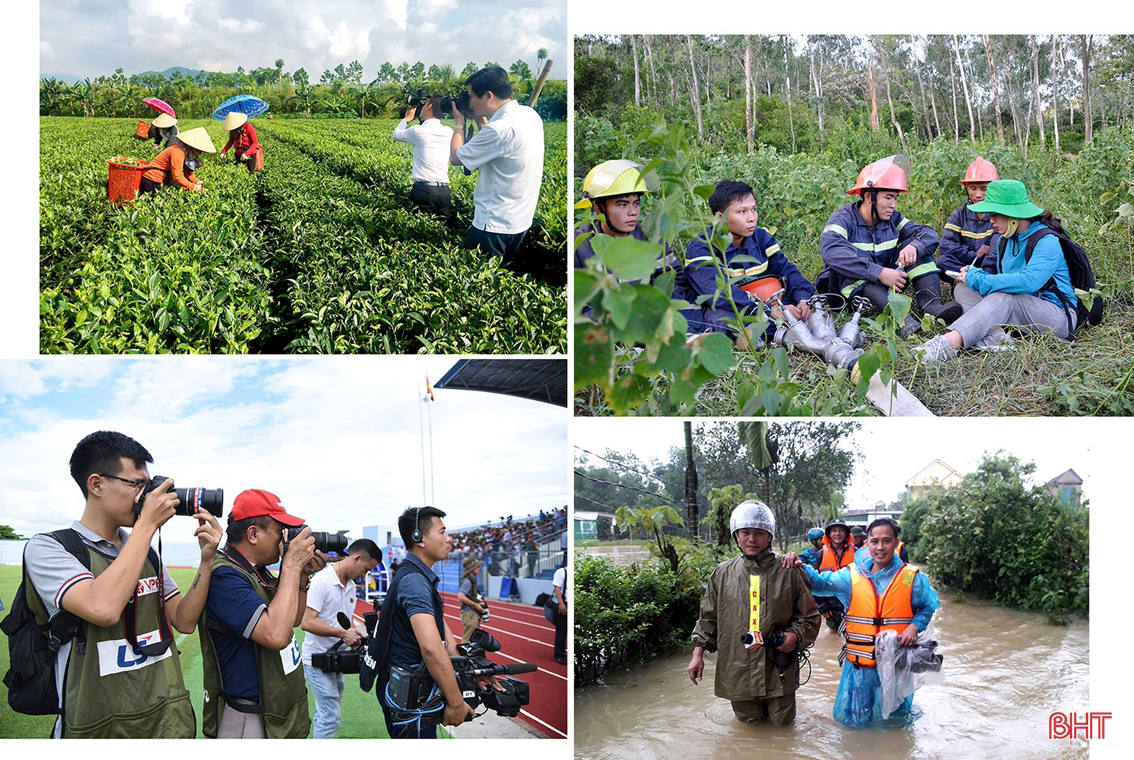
(619, 554)
(1005, 673)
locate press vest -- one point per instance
(283, 688)
(828, 561)
(110, 690)
(868, 616)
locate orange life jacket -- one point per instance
(829, 562)
(868, 616)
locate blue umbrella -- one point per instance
(240, 104)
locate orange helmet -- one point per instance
(884, 174)
(980, 170)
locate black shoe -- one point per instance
(561, 660)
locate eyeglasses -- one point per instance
(131, 483)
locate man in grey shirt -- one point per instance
(109, 688)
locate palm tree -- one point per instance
(541, 56)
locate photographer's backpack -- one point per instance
(32, 646)
(1080, 272)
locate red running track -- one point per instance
(525, 635)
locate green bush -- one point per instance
(627, 615)
(993, 536)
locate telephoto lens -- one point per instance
(191, 499)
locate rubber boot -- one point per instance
(927, 294)
(879, 297)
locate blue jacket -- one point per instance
(1013, 275)
(838, 584)
(856, 252)
(964, 233)
(767, 261)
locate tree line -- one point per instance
(787, 90)
(342, 91)
(800, 470)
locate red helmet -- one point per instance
(884, 174)
(980, 170)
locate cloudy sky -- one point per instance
(89, 38)
(895, 450)
(339, 439)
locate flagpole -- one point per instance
(432, 489)
(421, 426)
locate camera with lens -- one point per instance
(460, 103)
(484, 612)
(192, 499)
(753, 639)
(413, 691)
(349, 660)
(324, 542)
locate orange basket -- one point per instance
(143, 130)
(125, 178)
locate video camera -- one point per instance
(324, 542)
(414, 691)
(349, 660)
(192, 499)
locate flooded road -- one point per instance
(1005, 673)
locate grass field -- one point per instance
(320, 252)
(362, 717)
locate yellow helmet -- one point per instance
(618, 177)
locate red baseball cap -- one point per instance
(255, 503)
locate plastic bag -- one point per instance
(904, 670)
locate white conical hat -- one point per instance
(198, 138)
(234, 119)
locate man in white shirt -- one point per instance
(508, 152)
(430, 140)
(562, 596)
(333, 591)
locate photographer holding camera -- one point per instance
(333, 592)
(473, 606)
(412, 632)
(758, 617)
(254, 687)
(430, 140)
(508, 151)
(124, 598)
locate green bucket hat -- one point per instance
(1008, 197)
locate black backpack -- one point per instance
(32, 647)
(1081, 274)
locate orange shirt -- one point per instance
(170, 163)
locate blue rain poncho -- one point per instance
(859, 699)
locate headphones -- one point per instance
(416, 535)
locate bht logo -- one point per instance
(1067, 725)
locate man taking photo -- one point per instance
(411, 629)
(430, 140)
(254, 687)
(126, 681)
(333, 592)
(508, 152)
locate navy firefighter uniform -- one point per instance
(963, 235)
(759, 256)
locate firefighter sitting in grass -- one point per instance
(869, 248)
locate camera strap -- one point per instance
(262, 574)
(130, 614)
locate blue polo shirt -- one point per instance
(235, 605)
(415, 595)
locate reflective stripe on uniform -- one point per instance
(923, 269)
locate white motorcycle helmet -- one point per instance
(752, 514)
